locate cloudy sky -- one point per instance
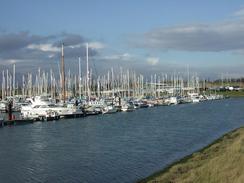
(148, 36)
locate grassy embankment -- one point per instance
(229, 93)
(220, 162)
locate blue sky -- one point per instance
(144, 35)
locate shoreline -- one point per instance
(188, 168)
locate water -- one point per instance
(121, 147)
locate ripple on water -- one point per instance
(121, 147)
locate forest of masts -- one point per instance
(124, 83)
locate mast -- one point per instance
(112, 75)
(3, 85)
(39, 81)
(23, 85)
(51, 85)
(13, 79)
(63, 73)
(87, 73)
(188, 77)
(79, 78)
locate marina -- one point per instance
(107, 148)
(44, 110)
(121, 91)
(70, 96)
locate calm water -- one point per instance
(121, 147)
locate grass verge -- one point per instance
(220, 162)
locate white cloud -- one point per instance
(239, 13)
(51, 56)
(93, 45)
(75, 46)
(96, 45)
(121, 57)
(152, 60)
(44, 47)
(213, 37)
(10, 61)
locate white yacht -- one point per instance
(109, 109)
(127, 108)
(195, 98)
(39, 107)
(171, 101)
(3, 106)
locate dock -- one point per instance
(4, 122)
(15, 122)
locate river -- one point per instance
(120, 147)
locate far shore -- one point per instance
(230, 93)
(220, 162)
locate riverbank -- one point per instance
(222, 161)
(229, 93)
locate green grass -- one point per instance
(220, 162)
(229, 93)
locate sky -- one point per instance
(147, 36)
